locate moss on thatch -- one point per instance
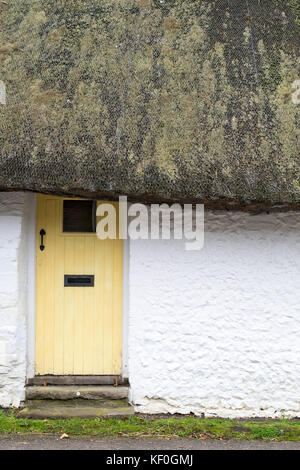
(166, 98)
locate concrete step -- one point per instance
(70, 392)
(77, 402)
(49, 409)
(77, 380)
(71, 401)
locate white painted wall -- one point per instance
(218, 331)
(214, 332)
(13, 299)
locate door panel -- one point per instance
(78, 329)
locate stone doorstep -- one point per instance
(71, 401)
(76, 403)
(77, 380)
(70, 392)
(84, 412)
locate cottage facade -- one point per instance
(213, 332)
(187, 102)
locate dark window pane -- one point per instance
(79, 216)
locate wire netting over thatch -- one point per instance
(166, 98)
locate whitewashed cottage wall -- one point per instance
(13, 298)
(217, 332)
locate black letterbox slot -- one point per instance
(79, 280)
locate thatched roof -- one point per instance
(183, 99)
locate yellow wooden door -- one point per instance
(78, 329)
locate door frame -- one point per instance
(29, 231)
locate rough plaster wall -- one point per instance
(12, 299)
(218, 331)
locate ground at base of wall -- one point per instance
(155, 427)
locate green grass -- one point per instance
(168, 427)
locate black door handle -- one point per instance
(42, 234)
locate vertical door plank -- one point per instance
(58, 294)
(70, 302)
(40, 289)
(88, 325)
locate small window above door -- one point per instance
(79, 216)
